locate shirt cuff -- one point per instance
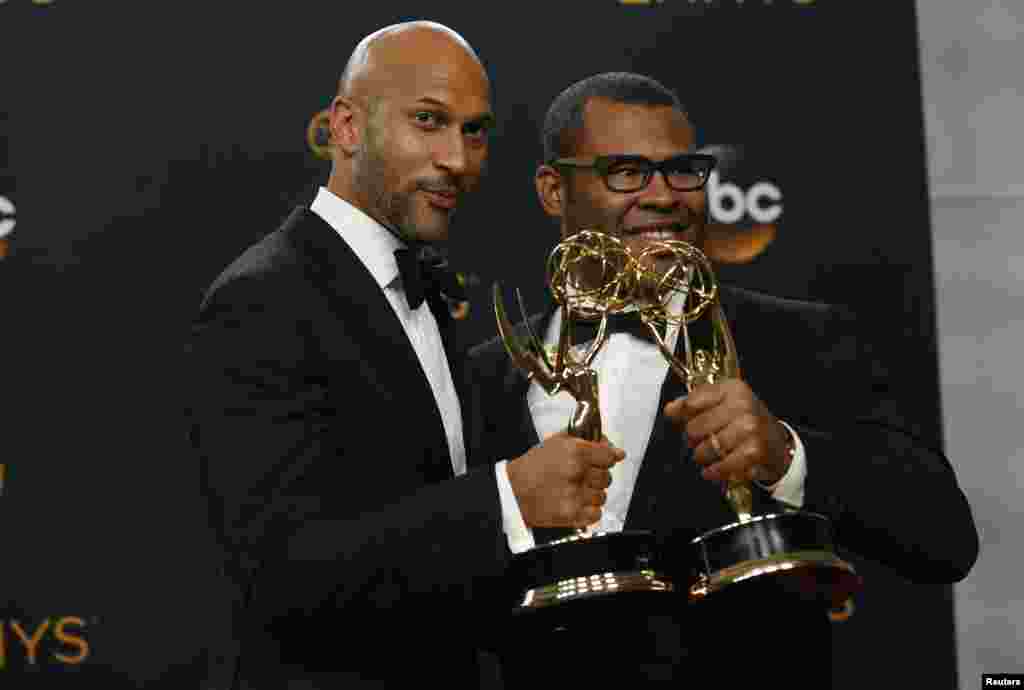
(520, 537)
(790, 489)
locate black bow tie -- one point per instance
(425, 274)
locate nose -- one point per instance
(451, 154)
(658, 195)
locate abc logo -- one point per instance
(6, 216)
(729, 204)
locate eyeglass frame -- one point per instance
(604, 163)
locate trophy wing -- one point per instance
(599, 341)
(525, 353)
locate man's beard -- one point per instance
(393, 208)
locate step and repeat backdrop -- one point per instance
(143, 145)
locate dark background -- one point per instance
(146, 144)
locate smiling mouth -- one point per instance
(442, 199)
(658, 232)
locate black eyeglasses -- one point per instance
(683, 173)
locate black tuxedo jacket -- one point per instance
(868, 468)
(352, 550)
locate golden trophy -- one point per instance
(675, 285)
(568, 581)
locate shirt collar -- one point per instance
(370, 240)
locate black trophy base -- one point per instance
(595, 611)
(575, 583)
(791, 551)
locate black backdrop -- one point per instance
(145, 144)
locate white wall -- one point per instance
(972, 56)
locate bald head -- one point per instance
(409, 127)
(402, 47)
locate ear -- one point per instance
(345, 132)
(550, 190)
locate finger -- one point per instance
(596, 478)
(711, 450)
(599, 455)
(714, 421)
(588, 515)
(701, 398)
(715, 446)
(594, 497)
(739, 405)
(735, 465)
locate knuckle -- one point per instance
(750, 451)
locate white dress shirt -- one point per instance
(630, 373)
(375, 247)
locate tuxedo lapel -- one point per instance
(665, 460)
(455, 353)
(366, 319)
(669, 491)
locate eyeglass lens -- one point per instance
(682, 174)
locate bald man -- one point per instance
(324, 405)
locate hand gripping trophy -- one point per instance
(673, 284)
(590, 277)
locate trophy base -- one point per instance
(578, 581)
(792, 551)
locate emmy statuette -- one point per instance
(790, 548)
(573, 580)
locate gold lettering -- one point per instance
(71, 640)
(30, 643)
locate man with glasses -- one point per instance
(809, 423)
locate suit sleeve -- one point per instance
(889, 489)
(266, 422)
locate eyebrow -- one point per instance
(487, 118)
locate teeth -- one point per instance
(657, 234)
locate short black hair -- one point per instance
(564, 119)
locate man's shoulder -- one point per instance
(489, 360)
(494, 348)
(745, 297)
(488, 349)
(753, 311)
(275, 258)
